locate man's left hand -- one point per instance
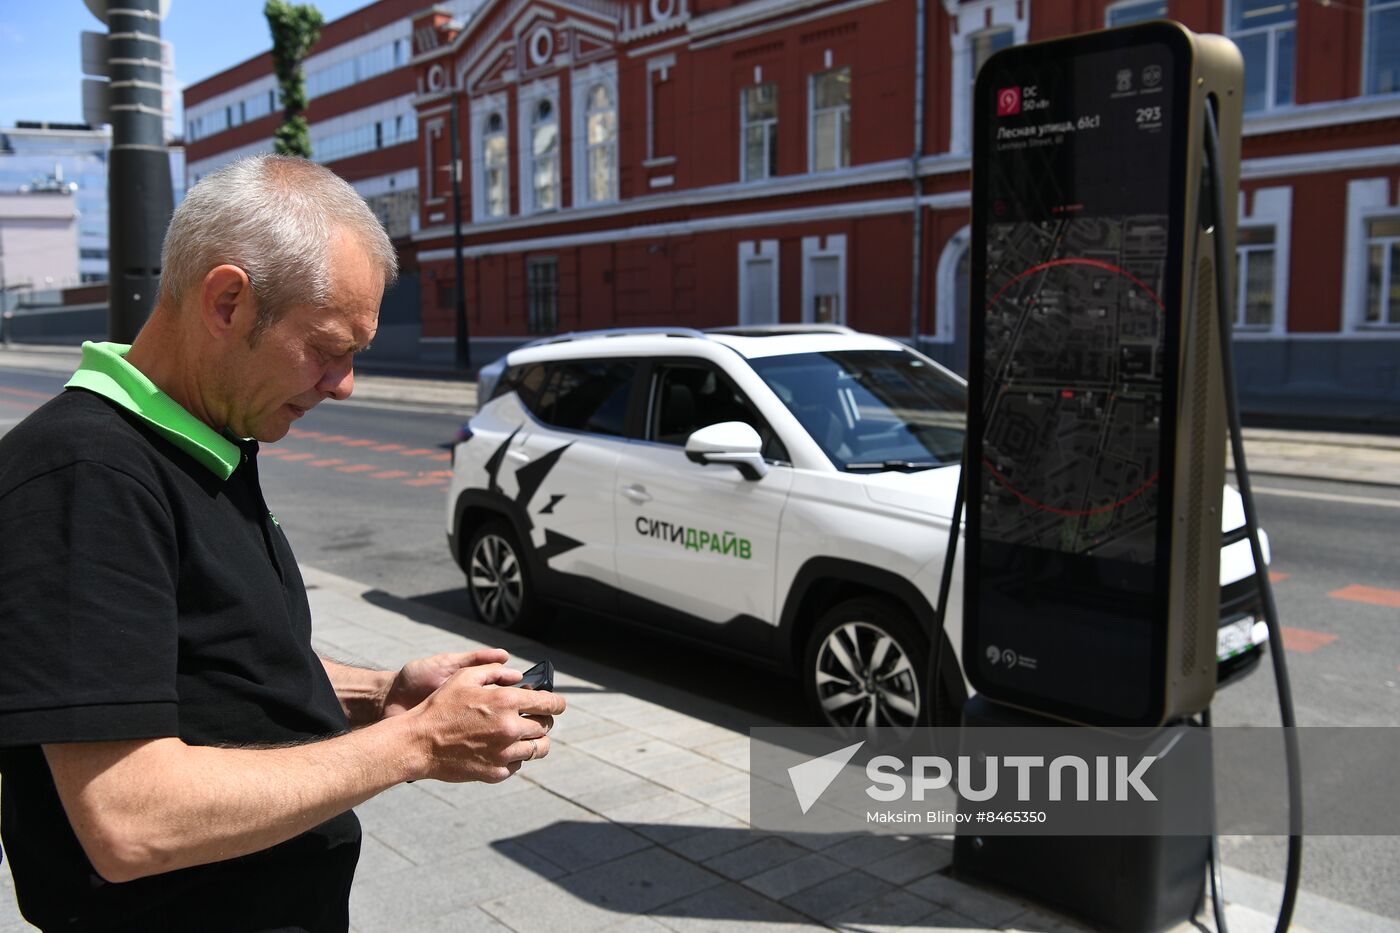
(420, 678)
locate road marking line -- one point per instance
(361, 442)
(333, 438)
(1276, 577)
(298, 432)
(388, 447)
(27, 393)
(356, 468)
(1303, 641)
(1374, 595)
(389, 474)
(298, 456)
(427, 481)
(443, 457)
(415, 452)
(1328, 497)
(25, 405)
(329, 461)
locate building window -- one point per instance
(544, 154)
(1383, 271)
(758, 282)
(760, 131)
(986, 43)
(1135, 11)
(824, 279)
(495, 178)
(1382, 46)
(831, 120)
(1265, 31)
(542, 286)
(1254, 278)
(601, 127)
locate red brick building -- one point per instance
(703, 162)
(706, 162)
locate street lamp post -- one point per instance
(463, 343)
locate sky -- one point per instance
(40, 58)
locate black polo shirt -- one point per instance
(146, 591)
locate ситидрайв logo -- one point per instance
(1008, 101)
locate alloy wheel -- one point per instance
(865, 679)
(497, 584)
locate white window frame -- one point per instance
(812, 122)
(528, 98)
(770, 137)
(1367, 199)
(434, 190)
(663, 64)
(1372, 7)
(1271, 72)
(1122, 5)
(814, 248)
(751, 252)
(1387, 281)
(584, 79)
(478, 110)
(969, 20)
(1272, 207)
(945, 312)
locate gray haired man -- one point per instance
(174, 754)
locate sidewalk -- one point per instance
(638, 820)
(1336, 457)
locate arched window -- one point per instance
(544, 146)
(494, 166)
(601, 130)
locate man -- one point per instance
(174, 755)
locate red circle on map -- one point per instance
(1161, 306)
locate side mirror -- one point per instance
(729, 442)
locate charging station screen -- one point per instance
(1073, 351)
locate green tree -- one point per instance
(295, 29)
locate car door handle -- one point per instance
(636, 492)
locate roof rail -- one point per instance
(777, 330)
(617, 332)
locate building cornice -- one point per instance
(849, 210)
(1326, 114)
(1313, 163)
(873, 174)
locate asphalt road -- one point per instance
(360, 490)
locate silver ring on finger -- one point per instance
(534, 750)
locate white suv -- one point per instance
(784, 493)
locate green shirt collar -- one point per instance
(105, 371)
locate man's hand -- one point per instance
(478, 727)
(419, 679)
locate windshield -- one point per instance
(872, 410)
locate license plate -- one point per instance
(1235, 637)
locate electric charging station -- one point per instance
(1094, 467)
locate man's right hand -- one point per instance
(477, 726)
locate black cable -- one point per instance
(1261, 571)
(1217, 883)
(935, 655)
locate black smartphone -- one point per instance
(539, 677)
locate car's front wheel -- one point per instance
(866, 666)
(498, 578)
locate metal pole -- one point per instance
(139, 198)
(464, 354)
(917, 283)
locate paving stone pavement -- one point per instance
(630, 824)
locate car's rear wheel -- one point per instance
(866, 666)
(498, 578)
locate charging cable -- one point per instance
(1225, 319)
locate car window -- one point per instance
(872, 409)
(690, 396)
(583, 395)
